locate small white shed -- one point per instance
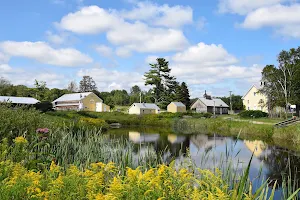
(143, 108)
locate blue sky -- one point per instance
(216, 45)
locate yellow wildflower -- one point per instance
(20, 140)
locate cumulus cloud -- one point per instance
(57, 39)
(281, 15)
(43, 53)
(274, 16)
(209, 64)
(243, 7)
(205, 55)
(107, 80)
(175, 16)
(134, 36)
(123, 52)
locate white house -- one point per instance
(143, 108)
(18, 100)
(255, 100)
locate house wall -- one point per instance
(199, 107)
(134, 110)
(252, 99)
(90, 101)
(175, 109)
(172, 108)
(140, 111)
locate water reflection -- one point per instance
(209, 151)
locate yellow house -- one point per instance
(143, 108)
(86, 101)
(176, 107)
(254, 100)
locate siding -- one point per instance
(90, 101)
(251, 101)
(174, 108)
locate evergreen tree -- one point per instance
(87, 84)
(164, 85)
(185, 95)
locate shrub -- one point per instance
(44, 106)
(253, 114)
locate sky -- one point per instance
(213, 45)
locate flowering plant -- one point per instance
(42, 130)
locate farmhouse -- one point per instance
(86, 101)
(176, 107)
(254, 100)
(18, 100)
(143, 108)
(211, 105)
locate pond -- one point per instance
(210, 151)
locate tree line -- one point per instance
(165, 89)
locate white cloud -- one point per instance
(136, 36)
(107, 80)
(43, 53)
(201, 22)
(243, 7)
(141, 38)
(209, 64)
(175, 16)
(90, 20)
(205, 55)
(274, 16)
(104, 50)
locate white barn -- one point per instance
(143, 108)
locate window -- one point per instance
(248, 108)
(248, 101)
(254, 93)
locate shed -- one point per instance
(143, 108)
(176, 107)
(18, 100)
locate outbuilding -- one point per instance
(86, 101)
(143, 108)
(210, 105)
(18, 100)
(176, 107)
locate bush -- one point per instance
(253, 114)
(44, 106)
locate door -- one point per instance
(98, 107)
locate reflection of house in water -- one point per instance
(206, 142)
(176, 139)
(257, 147)
(137, 137)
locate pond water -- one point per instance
(209, 151)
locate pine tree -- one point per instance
(185, 95)
(87, 84)
(163, 83)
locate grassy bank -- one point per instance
(288, 137)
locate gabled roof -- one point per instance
(18, 100)
(73, 97)
(146, 106)
(213, 102)
(256, 86)
(178, 104)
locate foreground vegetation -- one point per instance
(46, 156)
